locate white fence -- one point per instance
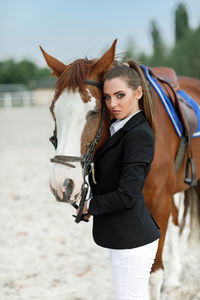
(15, 99)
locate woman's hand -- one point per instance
(85, 209)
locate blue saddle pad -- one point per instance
(169, 106)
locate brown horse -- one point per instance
(77, 113)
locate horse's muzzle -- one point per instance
(67, 193)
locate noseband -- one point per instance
(86, 159)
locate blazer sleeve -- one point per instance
(137, 154)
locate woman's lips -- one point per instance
(116, 112)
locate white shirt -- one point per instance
(117, 125)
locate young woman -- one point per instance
(122, 222)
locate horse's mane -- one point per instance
(74, 75)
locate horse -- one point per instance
(77, 111)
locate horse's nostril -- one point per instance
(68, 184)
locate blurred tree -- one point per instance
(158, 56)
(144, 59)
(129, 50)
(181, 22)
(21, 72)
(185, 56)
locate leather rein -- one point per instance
(86, 160)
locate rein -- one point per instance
(86, 160)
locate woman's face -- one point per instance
(121, 100)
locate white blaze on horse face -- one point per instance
(70, 112)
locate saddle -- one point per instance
(169, 81)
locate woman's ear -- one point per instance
(139, 92)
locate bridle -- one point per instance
(86, 160)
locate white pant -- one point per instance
(131, 270)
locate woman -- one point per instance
(122, 222)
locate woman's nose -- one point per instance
(113, 102)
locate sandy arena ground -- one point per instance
(44, 254)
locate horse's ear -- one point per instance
(57, 66)
(105, 62)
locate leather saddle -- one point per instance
(169, 82)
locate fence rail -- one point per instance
(16, 99)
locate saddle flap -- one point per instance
(189, 115)
(166, 74)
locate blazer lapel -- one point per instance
(134, 121)
(109, 143)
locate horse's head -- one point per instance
(77, 111)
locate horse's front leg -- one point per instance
(157, 273)
(171, 250)
(162, 214)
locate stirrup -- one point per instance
(190, 164)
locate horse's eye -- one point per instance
(92, 113)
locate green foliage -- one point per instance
(131, 53)
(21, 72)
(158, 57)
(130, 50)
(144, 59)
(184, 56)
(181, 22)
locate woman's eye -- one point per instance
(106, 97)
(120, 95)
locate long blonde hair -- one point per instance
(132, 73)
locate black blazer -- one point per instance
(121, 218)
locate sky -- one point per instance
(71, 29)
